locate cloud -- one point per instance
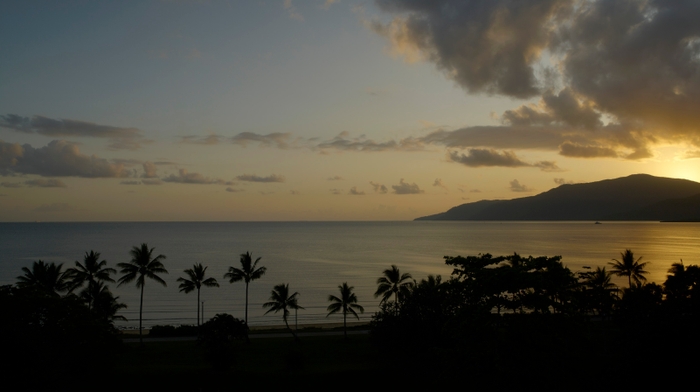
(209, 140)
(149, 170)
(55, 207)
(11, 184)
(515, 186)
(275, 139)
(561, 181)
(233, 190)
(354, 191)
(438, 182)
(342, 143)
(183, 177)
(122, 138)
(46, 183)
(58, 159)
(474, 191)
(581, 151)
(405, 188)
(328, 3)
(293, 192)
(336, 191)
(151, 181)
(130, 182)
(335, 178)
(611, 77)
(547, 166)
(254, 178)
(691, 154)
(379, 188)
(481, 157)
(292, 11)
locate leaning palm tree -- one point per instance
(195, 282)
(92, 271)
(393, 282)
(347, 303)
(629, 267)
(281, 300)
(141, 266)
(46, 277)
(246, 273)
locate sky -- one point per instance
(280, 110)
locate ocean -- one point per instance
(314, 258)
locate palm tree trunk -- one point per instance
(345, 325)
(141, 318)
(246, 304)
(296, 339)
(198, 307)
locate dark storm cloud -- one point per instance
(122, 138)
(58, 159)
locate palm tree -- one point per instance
(141, 266)
(347, 303)
(46, 277)
(629, 267)
(393, 282)
(281, 300)
(247, 273)
(105, 304)
(196, 280)
(92, 271)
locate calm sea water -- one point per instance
(316, 257)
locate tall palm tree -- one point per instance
(46, 277)
(630, 267)
(92, 271)
(246, 273)
(347, 303)
(196, 280)
(281, 300)
(141, 266)
(393, 282)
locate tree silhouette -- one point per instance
(45, 277)
(347, 303)
(195, 282)
(629, 267)
(141, 266)
(601, 290)
(91, 271)
(393, 282)
(246, 273)
(281, 300)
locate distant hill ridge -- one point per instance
(636, 197)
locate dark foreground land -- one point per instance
(596, 356)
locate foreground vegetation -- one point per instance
(496, 322)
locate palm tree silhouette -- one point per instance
(46, 277)
(92, 271)
(281, 300)
(629, 267)
(195, 281)
(141, 266)
(247, 273)
(347, 303)
(393, 282)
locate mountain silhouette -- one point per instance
(636, 197)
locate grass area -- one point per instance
(265, 362)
